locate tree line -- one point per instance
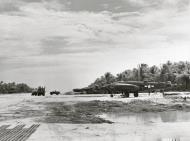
(12, 87)
(176, 72)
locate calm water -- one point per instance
(144, 118)
(163, 126)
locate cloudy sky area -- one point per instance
(64, 44)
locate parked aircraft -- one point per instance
(126, 87)
(83, 90)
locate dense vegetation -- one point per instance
(176, 72)
(14, 88)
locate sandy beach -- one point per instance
(117, 121)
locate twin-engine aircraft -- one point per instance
(126, 87)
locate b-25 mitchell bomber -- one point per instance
(127, 87)
(124, 88)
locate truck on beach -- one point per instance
(40, 91)
(54, 92)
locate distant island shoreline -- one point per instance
(14, 88)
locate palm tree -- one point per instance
(184, 78)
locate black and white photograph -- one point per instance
(94, 70)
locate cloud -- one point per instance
(8, 6)
(87, 5)
(63, 45)
(94, 5)
(93, 37)
(54, 45)
(45, 31)
(73, 5)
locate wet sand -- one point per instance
(149, 126)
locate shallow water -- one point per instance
(144, 118)
(162, 126)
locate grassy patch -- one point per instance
(86, 112)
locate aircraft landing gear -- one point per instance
(136, 94)
(127, 94)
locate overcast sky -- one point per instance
(64, 44)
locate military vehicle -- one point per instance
(40, 91)
(54, 92)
